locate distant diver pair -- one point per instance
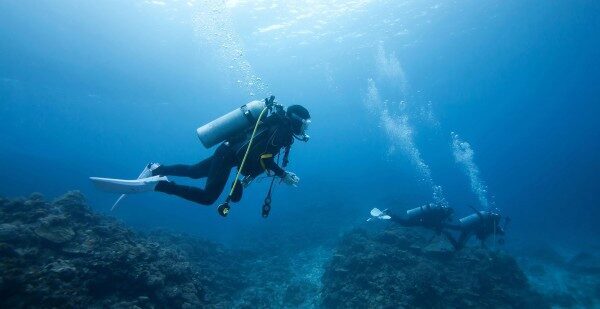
(252, 138)
(481, 224)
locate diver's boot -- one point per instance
(148, 170)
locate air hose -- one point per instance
(266, 209)
(224, 208)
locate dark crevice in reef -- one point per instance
(61, 254)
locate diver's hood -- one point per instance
(299, 127)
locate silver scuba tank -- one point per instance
(469, 220)
(417, 212)
(420, 211)
(475, 218)
(230, 124)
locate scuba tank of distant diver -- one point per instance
(477, 217)
(232, 123)
(421, 211)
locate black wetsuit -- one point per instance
(435, 219)
(482, 229)
(273, 135)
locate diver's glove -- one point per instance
(291, 179)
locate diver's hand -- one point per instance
(269, 101)
(291, 179)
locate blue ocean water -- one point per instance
(485, 104)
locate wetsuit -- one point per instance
(273, 134)
(434, 218)
(487, 225)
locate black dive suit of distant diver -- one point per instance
(482, 224)
(274, 134)
(433, 217)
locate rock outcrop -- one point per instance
(567, 282)
(403, 267)
(60, 254)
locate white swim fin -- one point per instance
(146, 172)
(376, 213)
(125, 186)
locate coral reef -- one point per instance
(402, 267)
(61, 254)
(566, 282)
(250, 278)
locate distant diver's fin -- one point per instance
(376, 213)
(125, 186)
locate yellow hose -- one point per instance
(237, 176)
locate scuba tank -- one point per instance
(478, 217)
(421, 211)
(472, 219)
(417, 212)
(231, 124)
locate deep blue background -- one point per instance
(100, 89)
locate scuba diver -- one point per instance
(251, 138)
(430, 216)
(482, 224)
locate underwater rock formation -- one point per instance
(566, 282)
(60, 254)
(403, 267)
